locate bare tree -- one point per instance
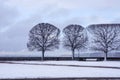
(74, 38)
(106, 37)
(43, 37)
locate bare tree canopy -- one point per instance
(74, 38)
(43, 37)
(106, 37)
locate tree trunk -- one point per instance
(105, 57)
(73, 56)
(42, 58)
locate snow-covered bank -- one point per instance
(86, 63)
(42, 71)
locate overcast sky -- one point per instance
(17, 17)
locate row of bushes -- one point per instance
(54, 58)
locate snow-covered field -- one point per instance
(40, 69)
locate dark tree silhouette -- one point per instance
(74, 38)
(106, 37)
(43, 37)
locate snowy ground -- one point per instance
(39, 69)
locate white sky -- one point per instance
(17, 17)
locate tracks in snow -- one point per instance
(108, 67)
